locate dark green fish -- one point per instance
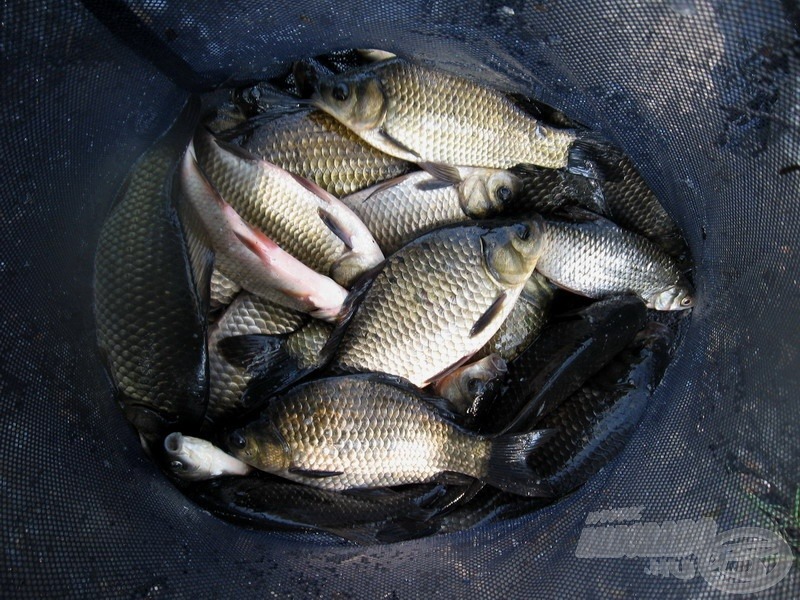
(268, 503)
(631, 204)
(567, 352)
(594, 423)
(151, 324)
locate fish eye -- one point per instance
(341, 92)
(523, 232)
(503, 193)
(177, 465)
(686, 301)
(237, 440)
(474, 385)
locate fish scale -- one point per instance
(596, 258)
(633, 205)
(148, 313)
(379, 435)
(435, 116)
(400, 210)
(251, 315)
(272, 201)
(416, 318)
(434, 113)
(316, 146)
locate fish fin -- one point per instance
(430, 185)
(487, 317)
(396, 143)
(593, 157)
(584, 191)
(266, 360)
(314, 473)
(444, 406)
(442, 172)
(332, 225)
(315, 189)
(453, 478)
(383, 185)
(249, 351)
(237, 150)
(404, 529)
(508, 468)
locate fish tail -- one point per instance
(593, 157)
(508, 467)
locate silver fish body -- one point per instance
(421, 114)
(399, 210)
(595, 258)
(438, 300)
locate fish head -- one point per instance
(357, 101)
(188, 457)
(486, 192)
(511, 252)
(261, 445)
(675, 297)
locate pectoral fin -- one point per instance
(489, 316)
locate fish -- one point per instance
(398, 210)
(595, 422)
(247, 315)
(279, 343)
(436, 301)
(250, 258)
(570, 349)
(367, 431)
(591, 256)
(149, 308)
(262, 501)
(547, 191)
(303, 219)
(418, 114)
(524, 322)
(631, 204)
(465, 384)
(314, 145)
(223, 290)
(194, 459)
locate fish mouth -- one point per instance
(173, 443)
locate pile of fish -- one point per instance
(383, 301)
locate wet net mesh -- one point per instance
(705, 98)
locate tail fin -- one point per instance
(266, 360)
(595, 158)
(508, 467)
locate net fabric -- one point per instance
(703, 97)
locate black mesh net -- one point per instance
(703, 96)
